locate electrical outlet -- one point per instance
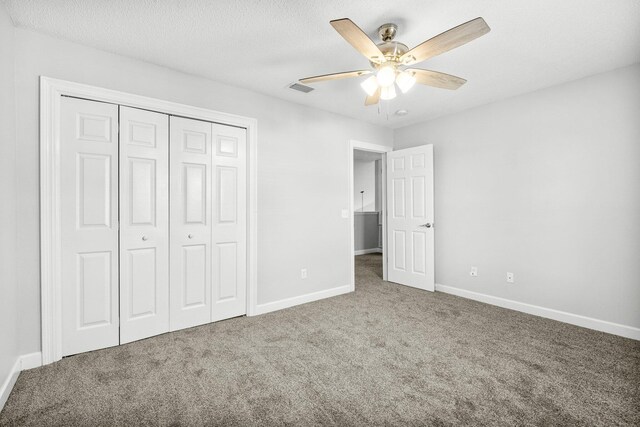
(303, 273)
(474, 271)
(345, 213)
(510, 278)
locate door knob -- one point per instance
(427, 225)
(144, 238)
(190, 236)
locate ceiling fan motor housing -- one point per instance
(393, 50)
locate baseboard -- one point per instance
(302, 299)
(368, 251)
(30, 361)
(549, 313)
(9, 382)
(24, 362)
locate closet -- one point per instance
(153, 223)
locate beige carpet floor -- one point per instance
(383, 355)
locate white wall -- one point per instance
(364, 178)
(366, 231)
(8, 285)
(545, 185)
(302, 167)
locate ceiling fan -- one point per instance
(391, 60)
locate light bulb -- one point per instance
(370, 85)
(388, 92)
(405, 81)
(386, 75)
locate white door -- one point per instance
(144, 224)
(229, 262)
(190, 222)
(410, 238)
(89, 224)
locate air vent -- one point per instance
(300, 87)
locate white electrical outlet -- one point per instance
(345, 213)
(510, 278)
(474, 271)
(303, 273)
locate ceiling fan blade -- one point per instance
(373, 99)
(443, 42)
(335, 76)
(436, 79)
(358, 39)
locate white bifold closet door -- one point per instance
(190, 223)
(89, 225)
(144, 224)
(208, 222)
(229, 264)
(153, 222)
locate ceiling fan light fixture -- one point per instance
(391, 58)
(388, 92)
(370, 85)
(405, 81)
(386, 75)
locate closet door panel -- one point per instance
(144, 224)
(89, 214)
(190, 223)
(229, 257)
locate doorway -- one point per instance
(406, 213)
(367, 195)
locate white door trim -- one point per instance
(51, 91)
(383, 149)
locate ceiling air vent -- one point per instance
(300, 87)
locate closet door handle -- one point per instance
(144, 238)
(190, 236)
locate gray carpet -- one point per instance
(384, 355)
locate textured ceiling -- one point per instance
(265, 45)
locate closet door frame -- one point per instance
(51, 92)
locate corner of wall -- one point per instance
(9, 343)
